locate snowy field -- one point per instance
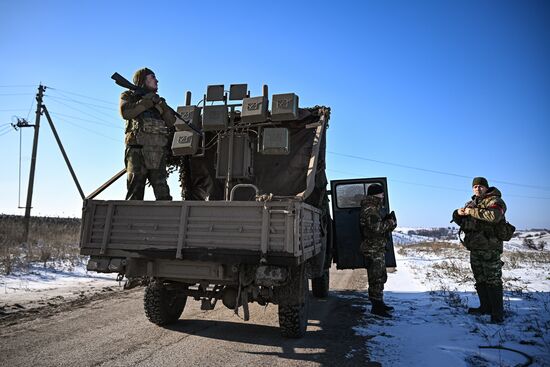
(56, 282)
(431, 290)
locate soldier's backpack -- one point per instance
(504, 231)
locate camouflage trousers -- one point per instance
(487, 267)
(377, 275)
(138, 174)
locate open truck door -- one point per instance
(346, 206)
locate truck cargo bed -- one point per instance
(171, 229)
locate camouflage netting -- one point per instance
(280, 175)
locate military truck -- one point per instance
(253, 224)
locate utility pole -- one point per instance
(39, 96)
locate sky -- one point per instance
(428, 93)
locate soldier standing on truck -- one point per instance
(375, 229)
(148, 118)
(480, 220)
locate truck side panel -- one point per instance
(288, 227)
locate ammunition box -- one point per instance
(185, 143)
(191, 115)
(214, 118)
(284, 107)
(254, 109)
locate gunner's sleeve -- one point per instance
(130, 108)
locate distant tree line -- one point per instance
(440, 233)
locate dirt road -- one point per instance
(113, 331)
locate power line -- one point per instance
(94, 109)
(437, 187)
(6, 132)
(30, 109)
(16, 94)
(84, 96)
(86, 120)
(80, 102)
(78, 110)
(13, 110)
(16, 86)
(90, 130)
(433, 171)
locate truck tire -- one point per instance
(163, 306)
(293, 313)
(320, 285)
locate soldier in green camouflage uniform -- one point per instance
(147, 121)
(375, 229)
(478, 219)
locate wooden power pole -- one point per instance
(39, 96)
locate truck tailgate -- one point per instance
(288, 228)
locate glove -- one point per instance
(457, 218)
(152, 96)
(162, 103)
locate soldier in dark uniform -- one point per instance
(147, 121)
(478, 219)
(374, 230)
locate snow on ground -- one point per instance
(39, 285)
(431, 290)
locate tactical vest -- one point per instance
(149, 132)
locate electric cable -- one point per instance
(86, 120)
(80, 102)
(90, 130)
(16, 86)
(56, 99)
(30, 109)
(434, 171)
(16, 94)
(437, 187)
(84, 96)
(84, 112)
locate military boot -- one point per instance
(484, 302)
(496, 296)
(378, 309)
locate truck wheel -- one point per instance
(319, 285)
(293, 315)
(163, 306)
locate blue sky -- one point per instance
(458, 88)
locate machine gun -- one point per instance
(125, 83)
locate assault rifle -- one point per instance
(391, 216)
(125, 83)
